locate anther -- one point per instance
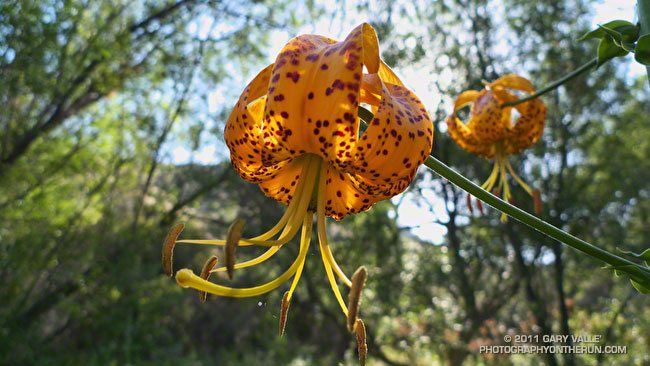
(362, 347)
(168, 248)
(469, 204)
(358, 280)
(232, 241)
(283, 313)
(496, 192)
(205, 274)
(479, 204)
(537, 199)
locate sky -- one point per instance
(419, 215)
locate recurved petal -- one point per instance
(466, 139)
(243, 128)
(387, 75)
(513, 81)
(528, 127)
(281, 186)
(314, 96)
(487, 120)
(349, 194)
(397, 140)
(464, 99)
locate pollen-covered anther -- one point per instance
(362, 347)
(358, 280)
(168, 248)
(479, 204)
(205, 274)
(537, 200)
(232, 241)
(496, 192)
(283, 312)
(469, 204)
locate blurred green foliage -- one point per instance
(95, 95)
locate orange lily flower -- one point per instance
(295, 133)
(490, 132)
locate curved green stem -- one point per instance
(523, 216)
(553, 85)
(641, 274)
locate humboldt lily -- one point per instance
(295, 133)
(490, 132)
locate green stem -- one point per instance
(555, 84)
(523, 216)
(643, 12)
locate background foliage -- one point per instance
(95, 96)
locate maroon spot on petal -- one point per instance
(311, 95)
(284, 115)
(323, 67)
(338, 193)
(278, 98)
(293, 76)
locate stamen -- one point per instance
(168, 248)
(537, 200)
(504, 179)
(489, 183)
(187, 278)
(286, 299)
(283, 312)
(358, 280)
(519, 180)
(232, 240)
(288, 214)
(205, 274)
(264, 256)
(322, 232)
(496, 192)
(362, 347)
(479, 204)
(469, 204)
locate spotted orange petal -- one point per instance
(314, 96)
(397, 140)
(347, 193)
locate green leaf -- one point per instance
(616, 36)
(640, 287)
(643, 256)
(642, 56)
(629, 47)
(621, 26)
(607, 50)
